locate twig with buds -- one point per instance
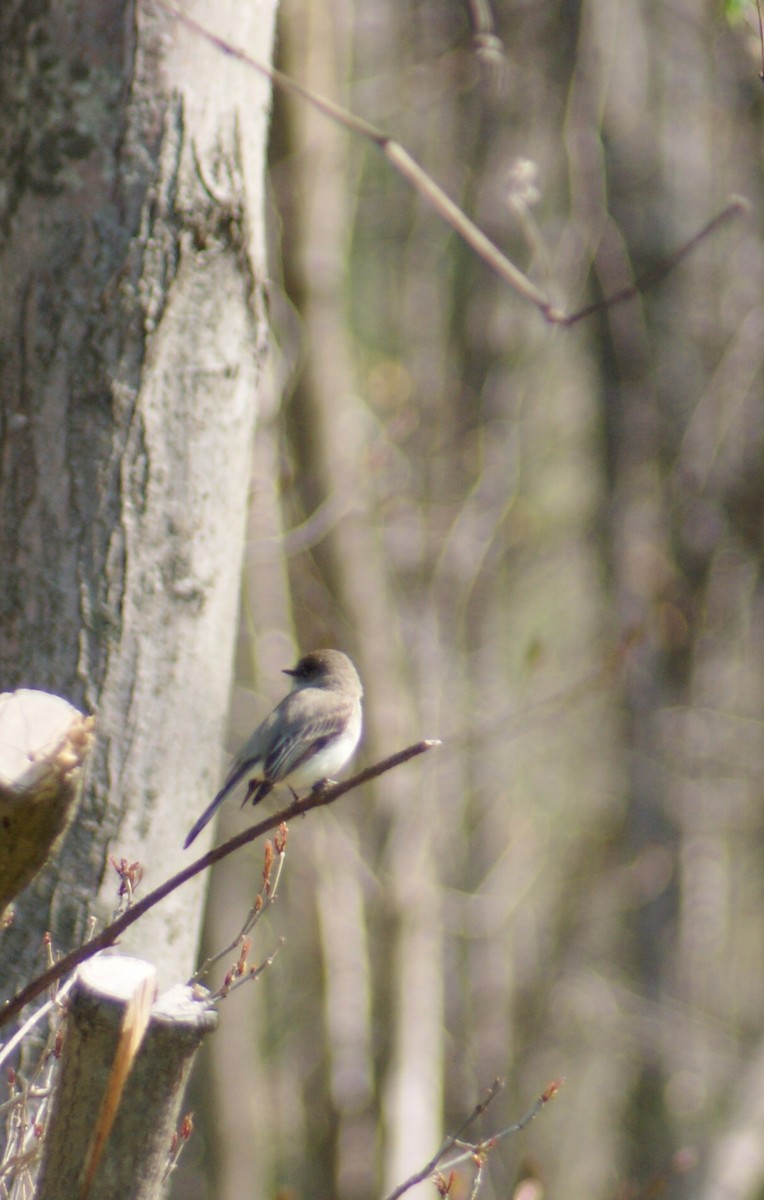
(130, 876)
(273, 851)
(27, 1109)
(179, 1141)
(443, 1173)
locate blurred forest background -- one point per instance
(544, 546)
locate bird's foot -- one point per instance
(322, 784)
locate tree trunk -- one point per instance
(131, 343)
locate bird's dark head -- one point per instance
(327, 669)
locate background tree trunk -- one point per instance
(543, 545)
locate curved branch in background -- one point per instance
(736, 206)
(430, 191)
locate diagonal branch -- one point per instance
(430, 191)
(736, 206)
(394, 153)
(109, 935)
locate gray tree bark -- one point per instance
(131, 345)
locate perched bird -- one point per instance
(309, 736)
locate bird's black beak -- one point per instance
(288, 671)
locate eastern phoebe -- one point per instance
(309, 736)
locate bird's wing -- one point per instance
(299, 740)
(272, 758)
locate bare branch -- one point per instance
(108, 936)
(736, 206)
(242, 974)
(265, 897)
(477, 1151)
(449, 1144)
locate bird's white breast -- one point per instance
(327, 762)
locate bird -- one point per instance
(307, 738)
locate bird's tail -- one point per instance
(213, 806)
(206, 816)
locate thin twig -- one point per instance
(112, 932)
(470, 1150)
(21, 1033)
(427, 1170)
(253, 916)
(475, 1151)
(488, 45)
(246, 976)
(478, 1177)
(736, 207)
